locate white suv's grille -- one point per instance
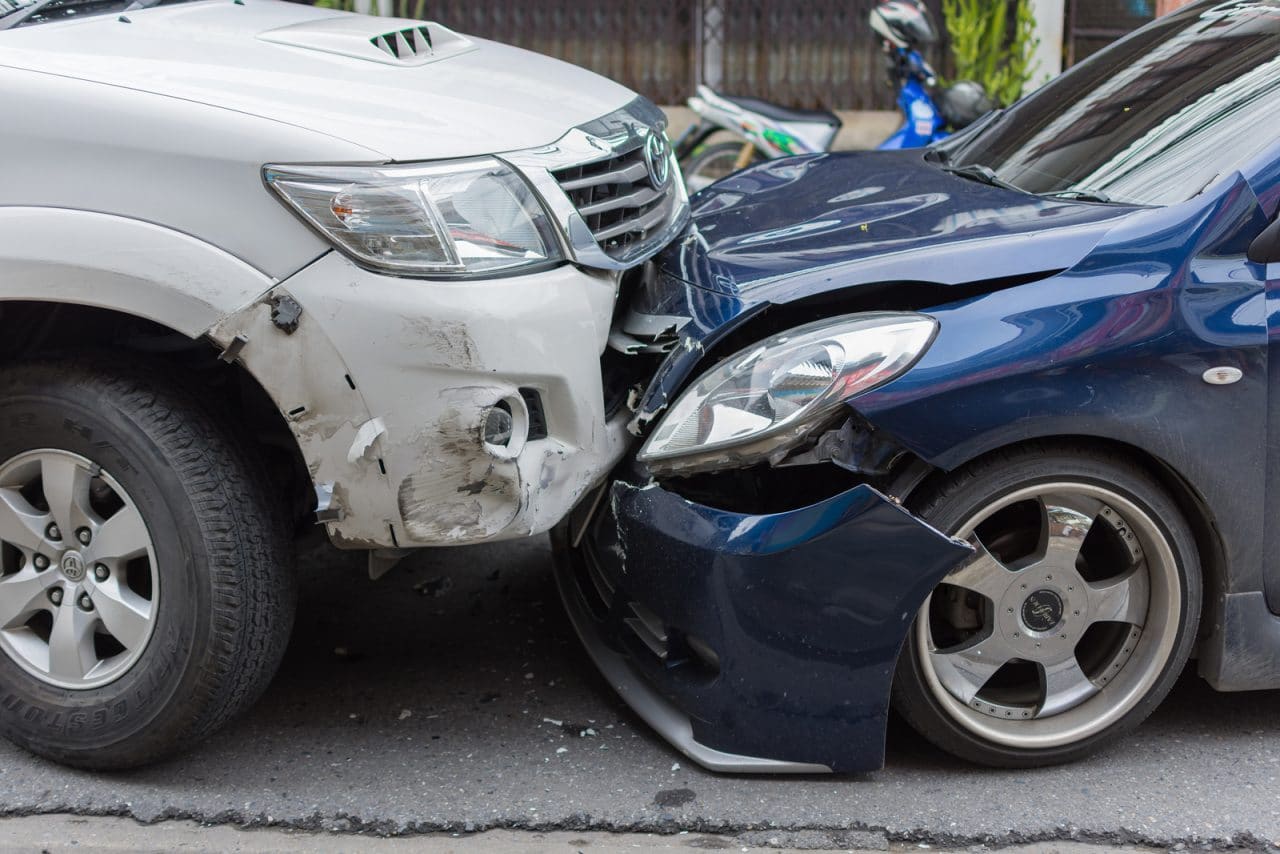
(612, 185)
(622, 202)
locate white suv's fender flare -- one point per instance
(125, 265)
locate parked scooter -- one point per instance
(769, 131)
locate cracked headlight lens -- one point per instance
(764, 399)
(449, 219)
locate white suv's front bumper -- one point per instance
(386, 384)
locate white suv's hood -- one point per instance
(325, 71)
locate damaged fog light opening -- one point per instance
(505, 427)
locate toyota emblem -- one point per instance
(657, 156)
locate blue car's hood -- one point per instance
(888, 230)
(792, 228)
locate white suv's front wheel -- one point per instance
(146, 591)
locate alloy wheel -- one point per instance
(1061, 621)
(79, 590)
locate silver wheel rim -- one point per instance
(1093, 609)
(79, 591)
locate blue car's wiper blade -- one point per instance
(1082, 196)
(982, 174)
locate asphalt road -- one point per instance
(452, 696)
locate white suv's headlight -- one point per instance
(443, 220)
(764, 399)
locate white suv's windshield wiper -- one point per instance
(30, 10)
(8, 7)
(41, 10)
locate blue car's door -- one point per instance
(1266, 184)
(1271, 536)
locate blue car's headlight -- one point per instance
(762, 400)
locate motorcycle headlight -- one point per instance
(450, 219)
(768, 397)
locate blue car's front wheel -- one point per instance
(1070, 623)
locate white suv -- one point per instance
(262, 265)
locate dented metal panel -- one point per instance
(306, 377)
(387, 384)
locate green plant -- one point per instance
(988, 49)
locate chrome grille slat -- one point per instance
(645, 223)
(634, 199)
(629, 174)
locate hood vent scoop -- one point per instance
(389, 41)
(405, 44)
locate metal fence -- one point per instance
(1093, 24)
(815, 53)
(805, 53)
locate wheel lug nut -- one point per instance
(52, 532)
(100, 571)
(85, 602)
(40, 561)
(84, 536)
(55, 595)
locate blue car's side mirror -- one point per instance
(1265, 248)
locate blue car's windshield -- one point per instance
(1151, 120)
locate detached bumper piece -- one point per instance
(759, 644)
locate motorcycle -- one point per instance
(768, 131)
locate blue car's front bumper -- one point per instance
(752, 642)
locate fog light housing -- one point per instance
(498, 425)
(504, 427)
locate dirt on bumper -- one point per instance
(753, 642)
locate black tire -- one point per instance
(222, 553)
(982, 484)
(716, 161)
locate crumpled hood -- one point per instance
(291, 63)
(887, 227)
(797, 227)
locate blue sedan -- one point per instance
(987, 433)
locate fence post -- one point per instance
(708, 62)
(1047, 59)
